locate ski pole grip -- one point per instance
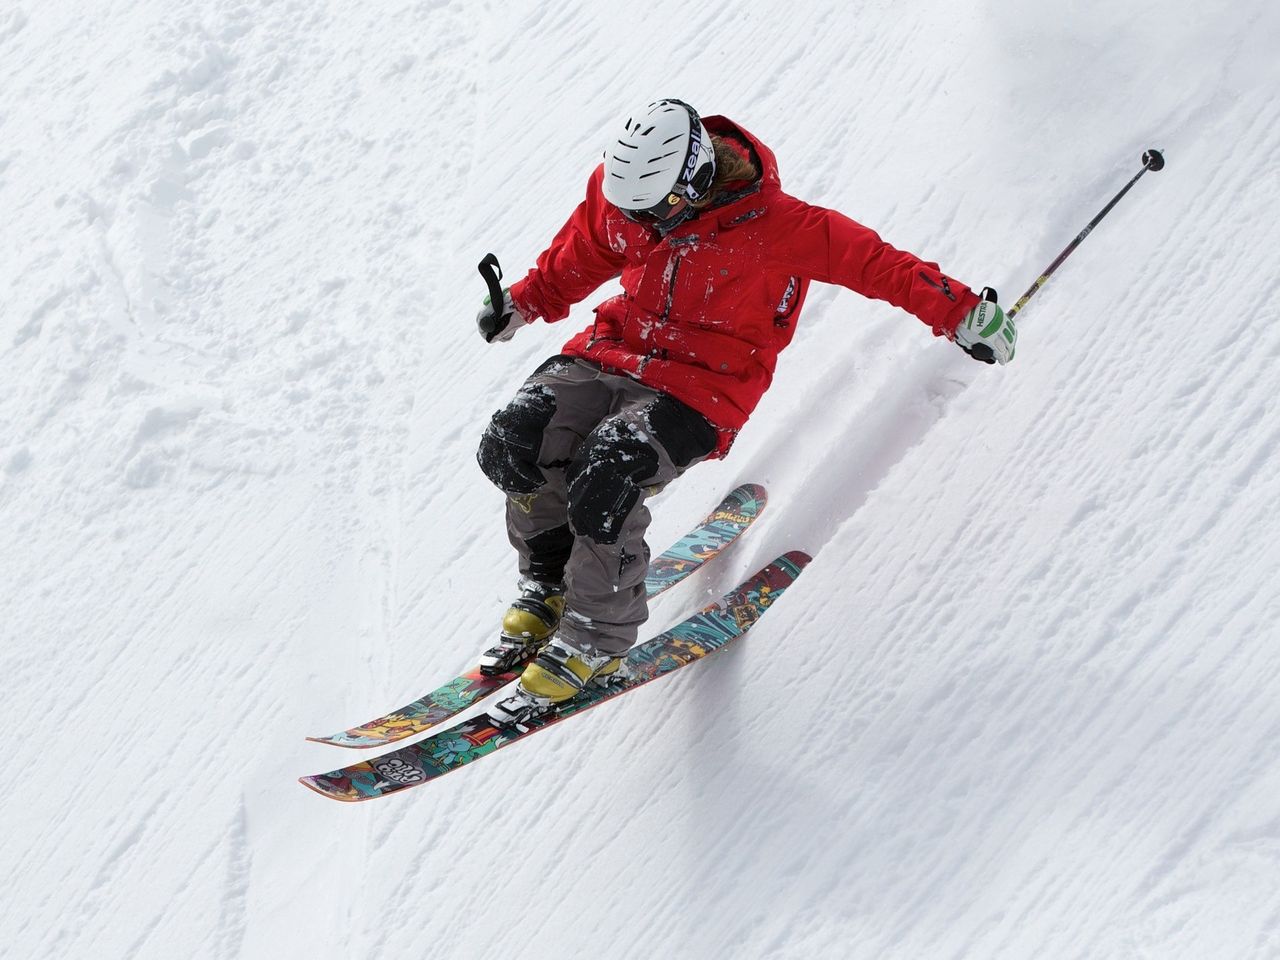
(492, 273)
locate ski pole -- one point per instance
(1151, 160)
(492, 273)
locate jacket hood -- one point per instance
(761, 155)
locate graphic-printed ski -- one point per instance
(699, 635)
(706, 540)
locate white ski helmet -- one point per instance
(661, 155)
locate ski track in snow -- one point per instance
(1024, 701)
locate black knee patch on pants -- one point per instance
(684, 433)
(605, 481)
(548, 553)
(509, 449)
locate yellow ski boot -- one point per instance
(528, 623)
(561, 671)
(557, 675)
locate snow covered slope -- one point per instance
(1024, 703)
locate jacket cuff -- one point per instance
(520, 297)
(947, 328)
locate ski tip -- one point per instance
(312, 784)
(750, 492)
(346, 740)
(794, 558)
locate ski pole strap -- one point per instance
(492, 273)
(1151, 160)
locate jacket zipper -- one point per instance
(671, 289)
(654, 352)
(666, 315)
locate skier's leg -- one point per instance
(649, 442)
(524, 452)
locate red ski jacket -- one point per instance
(705, 310)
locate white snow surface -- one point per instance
(1025, 702)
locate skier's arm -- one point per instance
(827, 246)
(578, 260)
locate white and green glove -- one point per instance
(985, 333)
(500, 325)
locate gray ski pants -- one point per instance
(577, 451)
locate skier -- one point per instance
(715, 262)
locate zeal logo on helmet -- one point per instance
(662, 160)
(695, 147)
